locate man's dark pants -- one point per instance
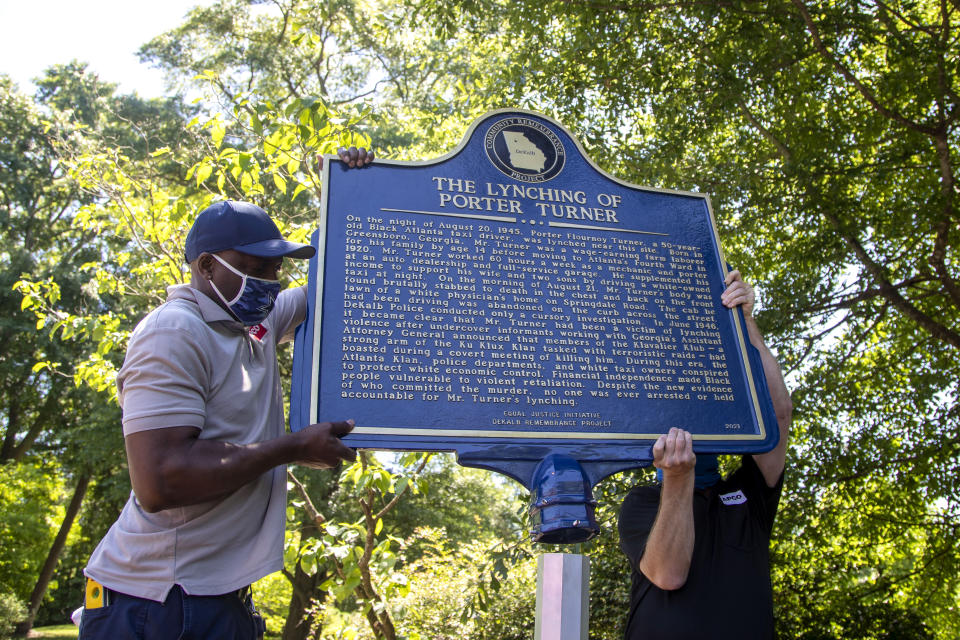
(180, 617)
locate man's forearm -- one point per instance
(771, 463)
(779, 393)
(669, 550)
(191, 471)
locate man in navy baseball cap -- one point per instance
(206, 440)
(247, 244)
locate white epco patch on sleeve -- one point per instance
(736, 497)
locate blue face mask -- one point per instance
(254, 300)
(706, 472)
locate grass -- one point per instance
(55, 632)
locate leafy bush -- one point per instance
(271, 596)
(29, 514)
(12, 611)
(441, 590)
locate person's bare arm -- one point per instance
(771, 463)
(173, 467)
(669, 549)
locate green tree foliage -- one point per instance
(35, 203)
(374, 532)
(467, 504)
(825, 132)
(441, 590)
(12, 611)
(609, 568)
(348, 51)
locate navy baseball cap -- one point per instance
(243, 227)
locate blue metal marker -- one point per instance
(513, 303)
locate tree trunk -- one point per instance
(53, 557)
(299, 620)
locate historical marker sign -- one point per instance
(510, 300)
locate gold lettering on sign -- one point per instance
(534, 321)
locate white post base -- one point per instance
(563, 597)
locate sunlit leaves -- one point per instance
(285, 146)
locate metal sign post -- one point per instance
(563, 597)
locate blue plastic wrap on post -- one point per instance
(563, 508)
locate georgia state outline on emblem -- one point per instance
(524, 149)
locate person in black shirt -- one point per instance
(698, 544)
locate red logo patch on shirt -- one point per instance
(258, 331)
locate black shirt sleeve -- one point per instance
(637, 515)
(766, 499)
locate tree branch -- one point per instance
(396, 498)
(852, 79)
(769, 135)
(867, 294)
(889, 292)
(308, 505)
(384, 623)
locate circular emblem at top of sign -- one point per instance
(524, 149)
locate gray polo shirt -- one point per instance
(190, 364)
